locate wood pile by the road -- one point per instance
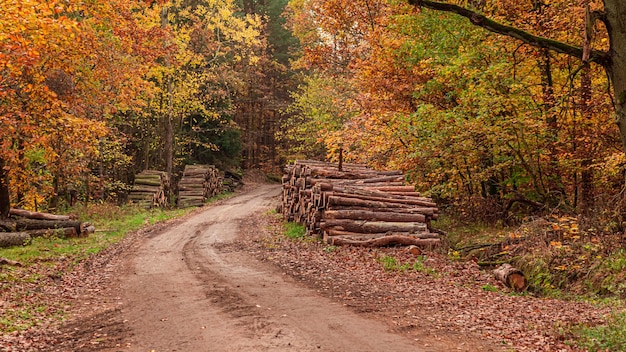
(22, 226)
(199, 183)
(357, 205)
(232, 181)
(151, 189)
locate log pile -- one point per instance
(357, 205)
(199, 183)
(22, 226)
(151, 189)
(232, 181)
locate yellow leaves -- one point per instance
(556, 244)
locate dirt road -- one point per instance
(185, 291)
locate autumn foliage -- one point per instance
(93, 92)
(476, 118)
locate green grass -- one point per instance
(609, 337)
(390, 263)
(294, 230)
(112, 224)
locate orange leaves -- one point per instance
(65, 67)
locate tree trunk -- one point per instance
(63, 232)
(586, 170)
(169, 132)
(5, 201)
(615, 21)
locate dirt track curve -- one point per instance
(184, 290)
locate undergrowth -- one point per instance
(608, 337)
(560, 259)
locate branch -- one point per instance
(599, 57)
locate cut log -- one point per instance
(373, 216)
(28, 224)
(8, 226)
(368, 236)
(511, 277)
(335, 200)
(10, 239)
(37, 215)
(57, 232)
(88, 231)
(357, 202)
(372, 226)
(386, 241)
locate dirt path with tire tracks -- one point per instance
(180, 292)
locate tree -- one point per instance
(65, 70)
(613, 60)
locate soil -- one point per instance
(220, 279)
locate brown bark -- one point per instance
(372, 226)
(344, 201)
(386, 241)
(31, 224)
(511, 277)
(10, 239)
(368, 236)
(373, 216)
(5, 200)
(38, 215)
(63, 232)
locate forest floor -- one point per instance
(224, 278)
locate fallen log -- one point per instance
(511, 277)
(57, 232)
(37, 215)
(10, 239)
(386, 241)
(29, 224)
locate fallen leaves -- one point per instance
(451, 301)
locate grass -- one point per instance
(294, 230)
(390, 263)
(112, 224)
(609, 337)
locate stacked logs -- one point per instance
(357, 205)
(199, 183)
(232, 181)
(23, 225)
(151, 189)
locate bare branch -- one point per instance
(599, 57)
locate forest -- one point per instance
(419, 141)
(498, 110)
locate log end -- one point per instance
(511, 277)
(517, 281)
